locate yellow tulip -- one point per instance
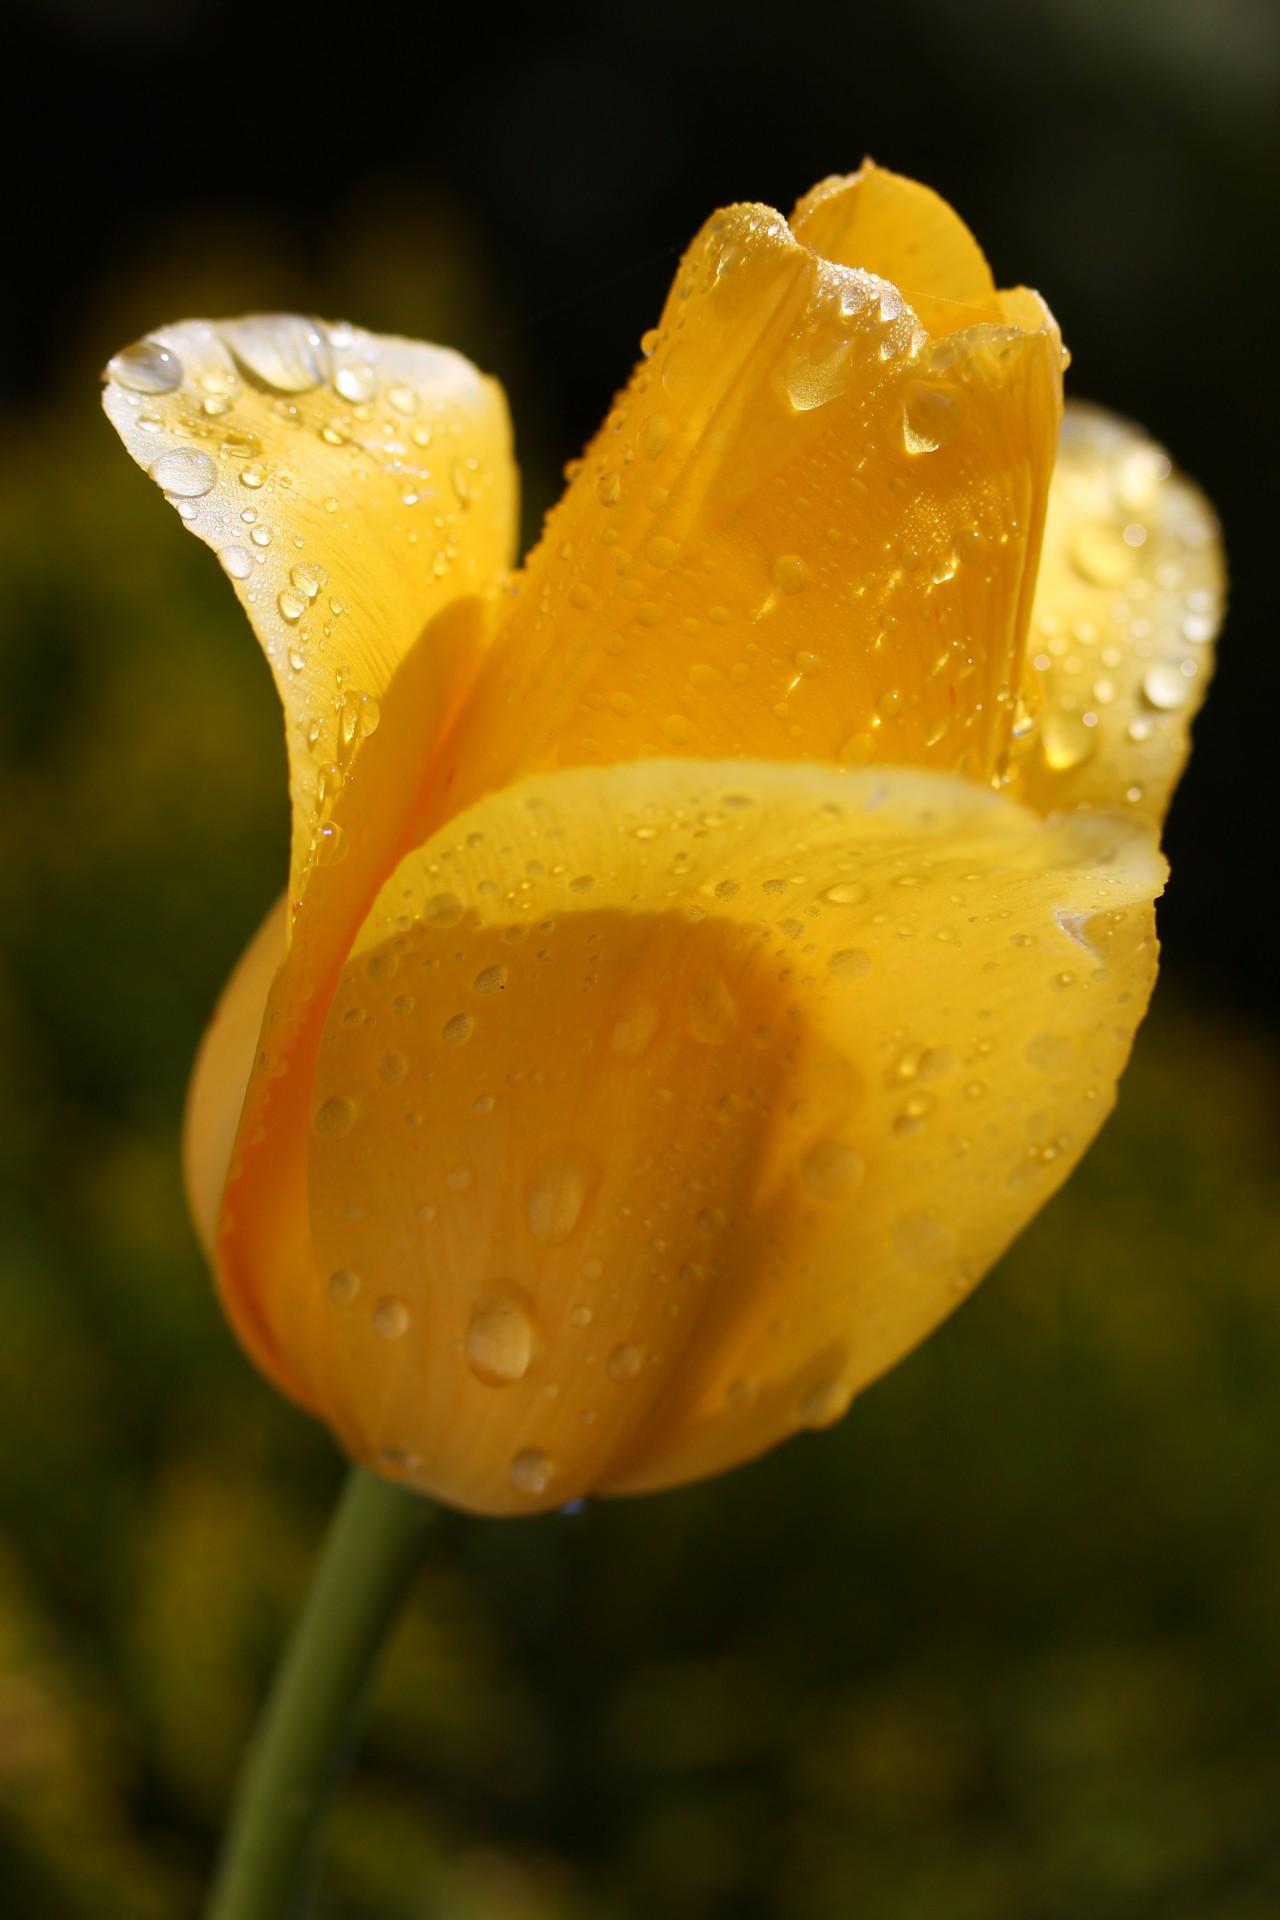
(706, 948)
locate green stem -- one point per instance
(373, 1549)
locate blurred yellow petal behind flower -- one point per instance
(708, 984)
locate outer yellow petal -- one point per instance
(221, 1073)
(1128, 601)
(661, 1107)
(353, 486)
(808, 530)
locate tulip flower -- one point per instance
(707, 947)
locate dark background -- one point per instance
(1006, 1644)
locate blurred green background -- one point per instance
(1006, 1644)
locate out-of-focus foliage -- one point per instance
(1003, 1646)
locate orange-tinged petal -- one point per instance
(660, 1107)
(1128, 603)
(808, 530)
(353, 486)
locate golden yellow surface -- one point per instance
(693, 986)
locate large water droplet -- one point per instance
(146, 367)
(185, 474)
(558, 1196)
(815, 375)
(930, 417)
(281, 351)
(500, 1338)
(334, 1117)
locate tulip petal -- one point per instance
(808, 530)
(1128, 602)
(353, 486)
(661, 1107)
(906, 233)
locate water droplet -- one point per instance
(500, 1338)
(281, 351)
(391, 1318)
(1165, 686)
(392, 1068)
(558, 1196)
(713, 1016)
(710, 1221)
(740, 1393)
(677, 728)
(850, 963)
(831, 1169)
(624, 1363)
(816, 375)
(790, 573)
(1099, 554)
(490, 980)
(146, 367)
(355, 384)
(184, 474)
(580, 1317)
(530, 1471)
(634, 1028)
(236, 561)
(344, 1285)
(457, 1029)
(252, 477)
(442, 910)
(825, 1403)
(308, 579)
(608, 487)
(1065, 741)
(334, 1117)
(291, 604)
(654, 435)
(930, 417)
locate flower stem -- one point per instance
(373, 1549)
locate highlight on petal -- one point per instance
(353, 486)
(659, 1108)
(1128, 602)
(807, 530)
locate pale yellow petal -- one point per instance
(1128, 603)
(221, 1074)
(808, 530)
(661, 1107)
(353, 487)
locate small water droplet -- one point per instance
(530, 1471)
(923, 1242)
(500, 1338)
(457, 1029)
(334, 1117)
(558, 1195)
(490, 980)
(831, 1169)
(291, 604)
(356, 384)
(186, 473)
(790, 573)
(146, 367)
(308, 579)
(236, 561)
(344, 1285)
(624, 1363)
(391, 1318)
(713, 1016)
(1065, 741)
(392, 1068)
(850, 963)
(1099, 554)
(825, 1403)
(1166, 687)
